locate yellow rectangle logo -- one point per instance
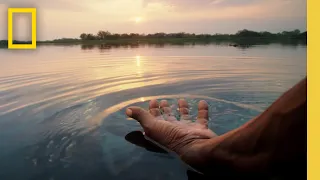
(33, 12)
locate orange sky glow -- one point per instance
(69, 18)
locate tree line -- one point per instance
(243, 37)
(106, 35)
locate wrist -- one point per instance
(231, 155)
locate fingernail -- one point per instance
(129, 112)
(203, 102)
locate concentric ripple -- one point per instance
(229, 108)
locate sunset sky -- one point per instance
(69, 18)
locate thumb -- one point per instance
(141, 115)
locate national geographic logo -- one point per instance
(33, 44)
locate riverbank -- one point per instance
(243, 38)
(236, 42)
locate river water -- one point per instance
(62, 107)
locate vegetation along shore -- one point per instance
(242, 38)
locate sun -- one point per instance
(138, 19)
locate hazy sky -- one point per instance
(69, 18)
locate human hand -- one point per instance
(183, 136)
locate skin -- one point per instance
(272, 144)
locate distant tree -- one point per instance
(243, 35)
(285, 33)
(159, 35)
(266, 33)
(91, 37)
(293, 33)
(133, 35)
(115, 36)
(142, 35)
(180, 35)
(296, 32)
(100, 35)
(103, 35)
(83, 36)
(247, 33)
(124, 35)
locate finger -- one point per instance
(141, 115)
(167, 111)
(183, 109)
(154, 108)
(203, 113)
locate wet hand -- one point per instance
(182, 136)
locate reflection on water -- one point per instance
(132, 45)
(62, 107)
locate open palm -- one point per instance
(180, 136)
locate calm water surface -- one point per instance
(62, 108)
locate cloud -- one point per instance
(194, 5)
(293, 7)
(68, 18)
(234, 8)
(69, 5)
(201, 3)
